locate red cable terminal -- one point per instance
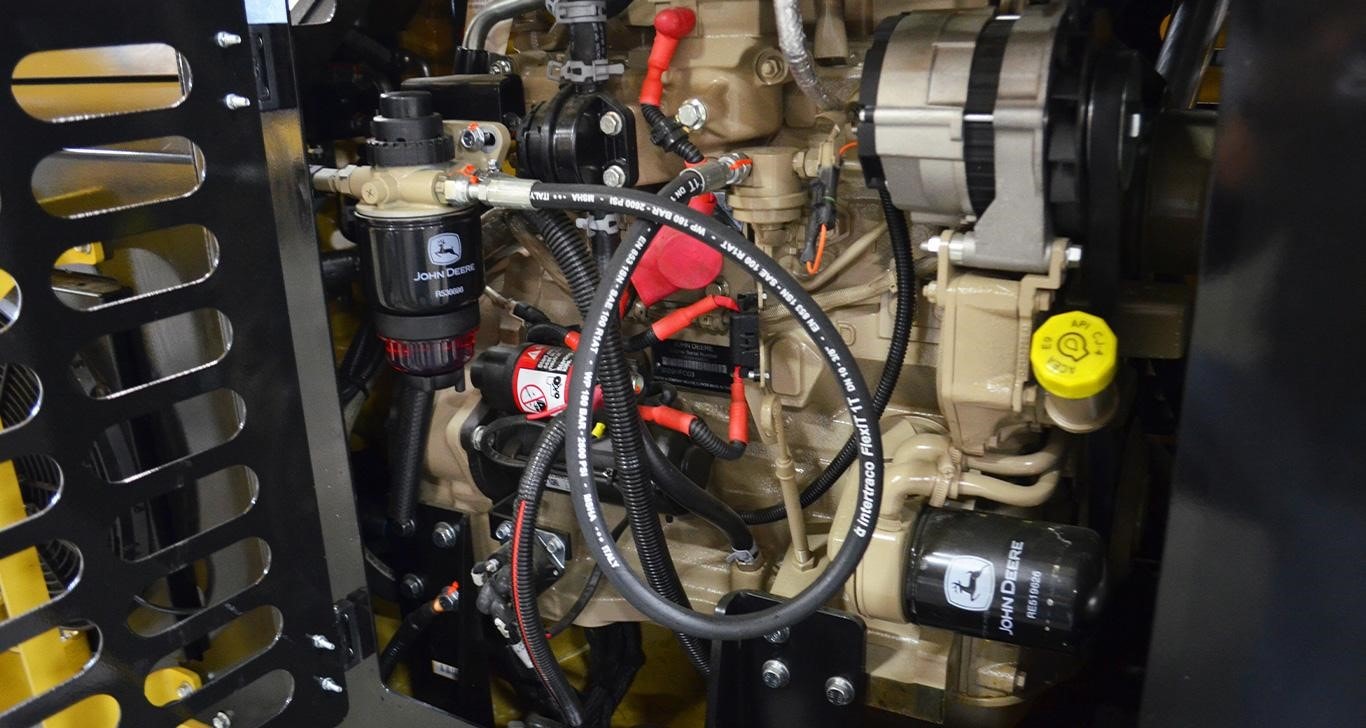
(682, 318)
(667, 417)
(671, 25)
(739, 409)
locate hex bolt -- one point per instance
(412, 586)
(554, 545)
(932, 245)
(222, 719)
(504, 531)
(500, 65)
(330, 685)
(692, 113)
(776, 674)
(611, 123)
(839, 691)
(1073, 256)
(224, 39)
(472, 138)
(322, 642)
(184, 690)
(443, 535)
(614, 176)
(236, 101)
(778, 636)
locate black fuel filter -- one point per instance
(1009, 579)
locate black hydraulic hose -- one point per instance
(408, 444)
(712, 442)
(565, 244)
(529, 491)
(413, 626)
(698, 501)
(601, 338)
(906, 288)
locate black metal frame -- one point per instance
(255, 199)
(1259, 608)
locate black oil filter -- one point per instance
(1009, 579)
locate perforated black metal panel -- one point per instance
(262, 366)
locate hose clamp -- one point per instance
(600, 69)
(744, 557)
(609, 223)
(569, 12)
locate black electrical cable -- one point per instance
(601, 341)
(413, 626)
(695, 499)
(590, 587)
(529, 491)
(904, 317)
(407, 446)
(669, 135)
(362, 361)
(552, 334)
(712, 442)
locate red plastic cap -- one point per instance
(675, 22)
(676, 261)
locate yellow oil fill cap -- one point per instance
(1074, 355)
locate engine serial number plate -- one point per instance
(694, 365)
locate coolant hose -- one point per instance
(412, 421)
(600, 343)
(565, 244)
(903, 266)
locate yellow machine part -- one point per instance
(53, 657)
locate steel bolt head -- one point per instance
(614, 176)
(224, 39)
(775, 674)
(472, 138)
(412, 586)
(500, 65)
(443, 535)
(330, 685)
(839, 691)
(611, 123)
(1073, 256)
(222, 720)
(692, 114)
(236, 101)
(504, 531)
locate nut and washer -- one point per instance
(443, 535)
(412, 586)
(504, 531)
(224, 39)
(500, 65)
(692, 114)
(839, 691)
(236, 101)
(778, 636)
(611, 123)
(775, 674)
(222, 719)
(614, 176)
